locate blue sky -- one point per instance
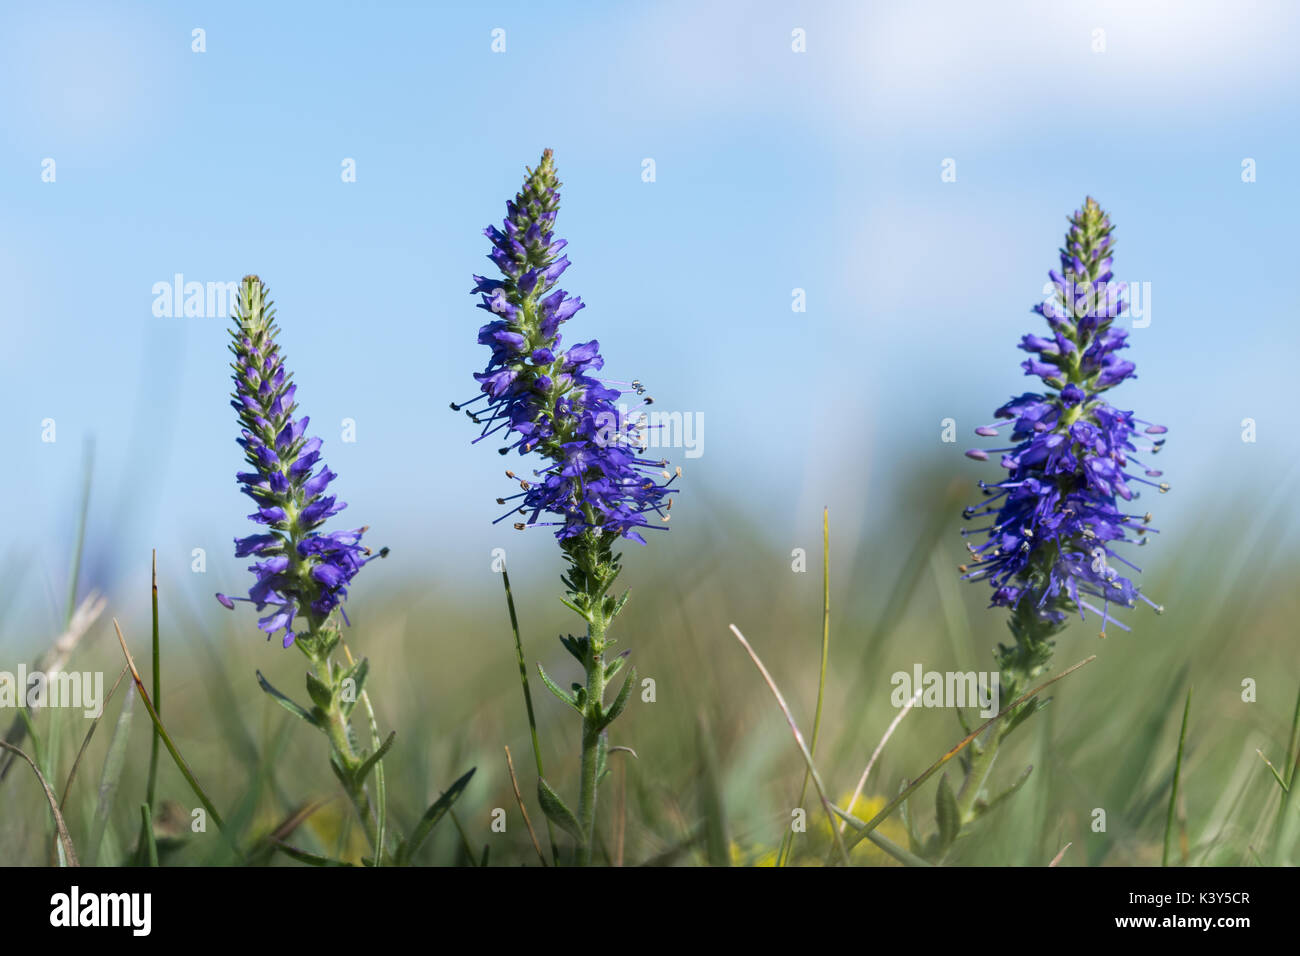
(775, 170)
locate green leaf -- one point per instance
(285, 702)
(618, 605)
(340, 771)
(329, 641)
(556, 811)
(905, 813)
(555, 689)
(616, 665)
(602, 758)
(364, 770)
(381, 784)
(620, 701)
(984, 808)
(318, 691)
(961, 719)
(1027, 710)
(946, 814)
(431, 817)
(577, 646)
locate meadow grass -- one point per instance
(711, 774)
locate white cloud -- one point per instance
(984, 67)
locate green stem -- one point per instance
(595, 666)
(340, 737)
(981, 765)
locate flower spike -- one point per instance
(543, 398)
(1059, 518)
(302, 571)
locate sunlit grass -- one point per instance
(447, 674)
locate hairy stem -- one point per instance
(340, 735)
(981, 765)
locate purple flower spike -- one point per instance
(1061, 519)
(300, 570)
(541, 398)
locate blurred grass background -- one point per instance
(716, 765)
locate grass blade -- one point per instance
(151, 789)
(798, 739)
(464, 839)
(717, 838)
(72, 774)
(862, 832)
(311, 859)
(261, 853)
(787, 844)
(906, 857)
(74, 578)
(1276, 776)
(51, 662)
(528, 703)
(181, 765)
(875, 754)
(1173, 791)
(519, 798)
(69, 853)
(1283, 826)
(111, 775)
(148, 846)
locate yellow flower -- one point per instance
(865, 853)
(755, 855)
(814, 847)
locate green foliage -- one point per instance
(557, 811)
(440, 672)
